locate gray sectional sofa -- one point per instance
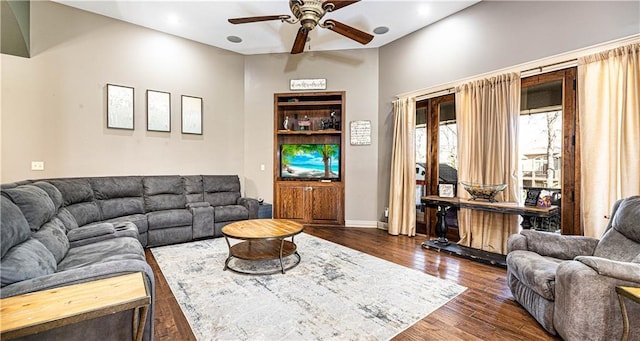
(57, 232)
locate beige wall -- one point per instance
(489, 36)
(53, 104)
(354, 71)
(53, 107)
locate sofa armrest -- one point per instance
(203, 219)
(252, 205)
(606, 267)
(586, 302)
(90, 231)
(94, 233)
(198, 204)
(80, 275)
(517, 242)
(558, 246)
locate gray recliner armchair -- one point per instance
(567, 283)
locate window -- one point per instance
(547, 141)
(436, 157)
(447, 141)
(540, 135)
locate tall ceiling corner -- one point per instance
(15, 21)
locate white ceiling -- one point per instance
(206, 21)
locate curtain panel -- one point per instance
(402, 205)
(609, 124)
(487, 113)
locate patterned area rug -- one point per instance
(335, 293)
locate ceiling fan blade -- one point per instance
(337, 4)
(301, 40)
(257, 19)
(348, 31)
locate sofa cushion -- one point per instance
(222, 198)
(193, 188)
(118, 196)
(140, 220)
(163, 193)
(67, 219)
(78, 199)
(85, 213)
(162, 202)
(73, 190)
(221, 190)
(15, 228)
(52, 191)
(101, 252)
(27, 260)
(230, 213)
(170, 184)
(534, 271)
(118, 207)
(627, 218)
(622, 241)
(117, 187)
(221, 183)
(53, 236)
(35, 204)
(169, 218)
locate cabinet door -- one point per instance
(291, 202)
(326, 205)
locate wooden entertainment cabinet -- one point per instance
(309, 122)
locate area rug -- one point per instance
(335, 293)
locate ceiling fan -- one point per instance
(308, 13)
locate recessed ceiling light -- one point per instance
(424, 10)
(234, 39)
(381, 30)
(173, 19)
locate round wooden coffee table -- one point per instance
(263, 239)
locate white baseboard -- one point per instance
(360, 223)
(382, 225)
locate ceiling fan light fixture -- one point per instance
(309, 13)
(234, 39)
(381, 30)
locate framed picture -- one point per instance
(119, 107)
(158, 111)
(446, 190)
(191, 115)
(532, 197)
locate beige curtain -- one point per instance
(487, 113)
(402, 205)
(609, 121)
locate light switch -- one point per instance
(262, 167)
(37, 165)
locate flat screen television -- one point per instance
(310, 161)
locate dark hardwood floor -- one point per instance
(485, 311)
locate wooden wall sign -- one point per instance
(360, 133)
(308, 84)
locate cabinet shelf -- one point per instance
(309, 103)
(309, 132)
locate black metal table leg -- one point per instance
(441, 225)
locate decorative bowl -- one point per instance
(479, 191)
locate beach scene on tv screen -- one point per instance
(310, 161)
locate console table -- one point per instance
(443, 204)
(40, 311)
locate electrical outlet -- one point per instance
(262, 167)
(37, 165)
